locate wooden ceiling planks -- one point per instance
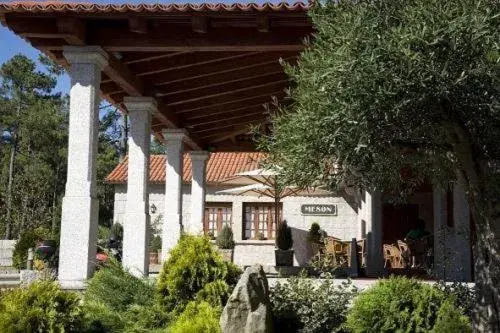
(211, 71)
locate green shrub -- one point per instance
(100, 318)
(116, 231)
(28, 239)
(284, 240)
(302, 305)
(225, 238)
(117, 289)
(314, 235)
(192, 265)
(451, 320)
(198, 317)
(40, 307)
(155, 243)
(398, 305)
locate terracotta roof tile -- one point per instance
(86, 7)
(220, 166)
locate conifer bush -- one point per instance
(195, 269)
(225, 238)
(196, 318)
(284, 240)
(40, 307)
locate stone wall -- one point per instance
(248, 252)
(6, 250)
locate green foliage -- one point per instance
(401, 305)
(117, 231)
(380, 89)
(302, 305)
(314, 235)
(451, 320)
(196, 318)
(155, 243)
(28, 239)
(225, 238)
(465, 297)
(103, 233)
(40, 307)
(117, 289)
(192, 266)
(284, 240)
(100, 318)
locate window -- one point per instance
(216, 217)
(259, 221)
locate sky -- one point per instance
(10, 44)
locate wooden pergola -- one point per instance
(210, 67)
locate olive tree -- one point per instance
(388, 95)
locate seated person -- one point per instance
(417, 239)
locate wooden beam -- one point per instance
(73, 29)
(121, 75)
(215, 130)
(217, 83)
(169, 37)
(262, 23)
(138, 25)
(250, 62)
(235, 103)
(199, 24)
(186, 60)
(143, 57)
(236, 94)
(254, 114)
(210, 80)
(203, 115)
(226, 89)
(218, 137)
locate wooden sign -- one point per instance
(318, 209)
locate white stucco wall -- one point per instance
(247, 252)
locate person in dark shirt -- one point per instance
(418, 232)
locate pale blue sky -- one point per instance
(10, 44)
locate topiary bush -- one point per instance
(302, 305)
(225, 239)
(196, 318)
(314, 235)
(28, 239)
(284, 240)
(401, 305)
(451, 320)
(465, 297)
(193, 266)
(40, 307)
(117, 289)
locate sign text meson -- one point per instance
(318, 209)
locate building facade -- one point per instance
(372, 216)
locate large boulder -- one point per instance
(248, 309)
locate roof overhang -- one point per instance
(210, 67)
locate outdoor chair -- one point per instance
(361, 245)
(392, 255)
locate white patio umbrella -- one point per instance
(264, 182)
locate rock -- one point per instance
(248, 309)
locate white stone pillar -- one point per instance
(198, 164)
(137, 219)
(372, 209)
(80, 206)
(172, 223)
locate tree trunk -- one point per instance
(474, 171)
(123, 137)
(8, 215)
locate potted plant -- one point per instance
(154, 249)
(225, 243)
(315, 238)
(284, 243)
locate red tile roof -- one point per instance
(220, 166)
(86, 7)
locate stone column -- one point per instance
(440, 232)
(137, 219)
(80, 206)
(172, 223)
(198, 163)
(462, 246)
(372, 210)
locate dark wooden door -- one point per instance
(397, 220)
